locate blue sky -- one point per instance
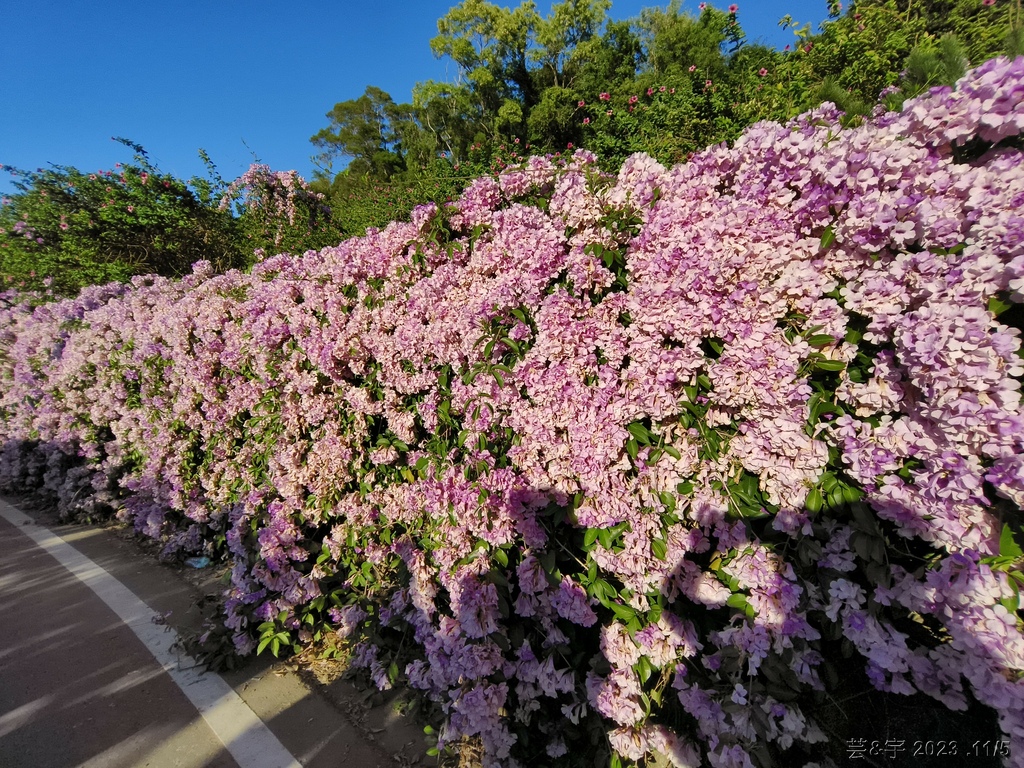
(237, 79)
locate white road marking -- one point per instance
(237, 727)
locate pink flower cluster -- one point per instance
(274, 191)
(573, 411)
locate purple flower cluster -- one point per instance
(569, 410)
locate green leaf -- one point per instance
(835, 498)
(644, 670)
(997, 305)
(814, 500)
(603, 591)
(828, 237)
(639, 432)
(737, 601)
(829, 365)
(623, 612)
(659, 548)
(673, 452)
(851, 495)
(821, 340)
(1008, 547)
(668, 500)
(632, 449)
(547, 561)
(590, 537)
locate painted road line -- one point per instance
(242, 733)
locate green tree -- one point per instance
(77, 229)
(490, 45)
(366, 131)
(676, 41)
(562, 39)
(606, 61)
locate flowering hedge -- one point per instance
(641, 457)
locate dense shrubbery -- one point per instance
(65, 229)
(671, 461)
(577, 78)
(79, 229)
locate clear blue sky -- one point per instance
(235, 78)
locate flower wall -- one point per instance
(633, 461)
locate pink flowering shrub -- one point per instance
(278, 210)
(659, 462)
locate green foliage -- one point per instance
(359, 201)
(668, 83)
(278, 213)
(364, 130)
(65, 229)
(676, 41)
(930, 64)
(82, 229)
(668, 119)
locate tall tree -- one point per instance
(570, 25)
(676, 41)
(366, 131)
(489, 44)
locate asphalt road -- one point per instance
(89, 675)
